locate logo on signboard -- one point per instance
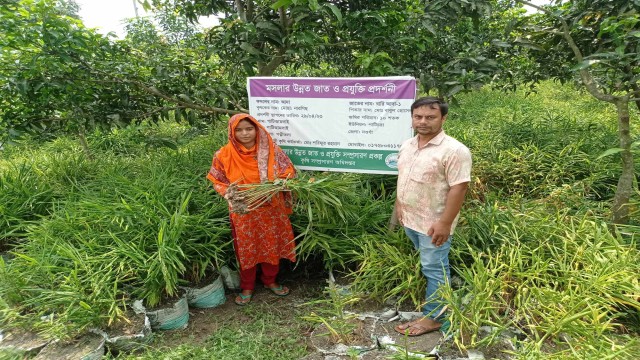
(392, 160)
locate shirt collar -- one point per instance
(437, 140)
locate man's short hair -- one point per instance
(433, 103)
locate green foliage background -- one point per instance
(104, 144)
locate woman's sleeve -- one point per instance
(283, 164)
(217, 175)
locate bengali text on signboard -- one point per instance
(336, 124)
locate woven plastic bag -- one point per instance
(209, 296)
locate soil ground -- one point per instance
(288, 313)
(205, 322)
(273, 327)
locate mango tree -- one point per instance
(174, 65)
(599, 42)
(259, 35)
(446, 44)
(43, 88)
(57, 75)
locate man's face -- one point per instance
(427, 121)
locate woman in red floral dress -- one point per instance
(264, 235)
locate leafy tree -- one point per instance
(176, 66)
(56, 75)
(44, 87)
(69, 8)
(598, 42)
(260, 35)
(447, 44)
(175, 28)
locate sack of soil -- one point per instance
(128, 336)
(173, 317)
(231, 278)
(208, 296)
(21, 343)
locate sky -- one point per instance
(107, 16)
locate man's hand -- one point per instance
(441, 229)
(439, 233)
(396, 218)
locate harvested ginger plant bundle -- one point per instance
(248, 197)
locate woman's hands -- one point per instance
(236, 199)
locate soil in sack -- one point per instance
(170, 314)
(129, 334)
(87, 347)
(208, 292)
(230, 277)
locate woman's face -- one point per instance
(246, 133)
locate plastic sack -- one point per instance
(21, 343)
(231, 278)
(209, 296)
(175, 317)
(129, 342)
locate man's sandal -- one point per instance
(279, 290)
(243, 299)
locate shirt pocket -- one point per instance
(427, 172)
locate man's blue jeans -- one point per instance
(435, 267)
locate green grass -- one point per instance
(261, 338)
(115, 229)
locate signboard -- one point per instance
(336, 124)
